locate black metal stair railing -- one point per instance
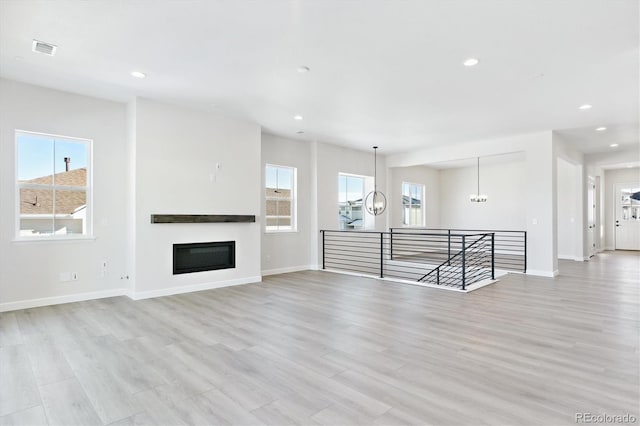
(510, 246)
(413, 257)
(468, 266)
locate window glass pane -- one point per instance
(271, 207)
(36, 212)
(272, 221)
(405, 189)
(270, 179)
(284, 221)
(71, 212)
(71, 155)
(355, 188)
(285, 178)
(342, 189)
(284, 208)
(417, 217)
(35, 159)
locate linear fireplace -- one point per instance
(197, 257)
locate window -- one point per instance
(53, 186)
(412, 204)
(351, 211)
(280, 198)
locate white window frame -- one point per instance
(423, 218)
(293, 200)
(88, 234)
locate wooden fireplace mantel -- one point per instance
(202, 218)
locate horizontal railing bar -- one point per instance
(457, 229)
(370, 260)
(332, 256)
(327, 233)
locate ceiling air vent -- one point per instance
(42, 47)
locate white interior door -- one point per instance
(591, 217)
(627, 217)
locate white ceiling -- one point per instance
(489, 160)
(382, 72)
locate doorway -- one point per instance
(591, 217)
(627, 216)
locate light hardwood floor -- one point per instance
(322, 348)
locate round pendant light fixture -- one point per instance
(375, 201)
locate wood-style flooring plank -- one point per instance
(33, 416)
(66, 404)
(18, 388)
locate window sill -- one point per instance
(284, 231)
(38, 240)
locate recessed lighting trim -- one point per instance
(629, 166)
(614, 145)
(601, 129)
(471, 62)
(585, 106)
(297, 117)
(138, 74)
(303, 69)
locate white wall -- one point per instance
(575, 189)
(288, 251)
(427, 176)
(503, 183)
(176, 152)
(613, 177)
(30, 270)
(570, 208)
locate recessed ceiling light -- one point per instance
(303, 69)
(138, 74)
(300, 132)
(585, 106)
(629, 166)
(18, 58)
(614, 145)
(470, 62)
(297, 117)
(601, 129)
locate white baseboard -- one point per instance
(57, 300)
(609, 248)
(286, 270)
(547, 274)
(568, 257)
(139, 295)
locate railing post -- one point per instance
(449, 247)
(493, 252)
(463, 266)
(322, 232)
(525, 252)
(381, 255)
(438, 276)
(391, 243)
